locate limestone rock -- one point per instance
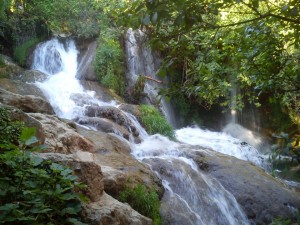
(261, 196)
(120, 168)
(104, 125)
(10, 68)
(84, 168)
(31, 76)
(133, 109)
(27, 103)
(114, 114)
(60, 137)
(100, 91)
(21, 88)
(109, 211)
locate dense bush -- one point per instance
(145, 202)
(109, 63)
(33, 190)
(154, 122)
(20, 52)
(9, 130)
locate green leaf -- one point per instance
(27, 136)
(37, 160)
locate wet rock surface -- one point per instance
(114, 154)
(59, 136)
(21, 88)
(27, 103)
(109, 211)
(31, 76)
(261, 196)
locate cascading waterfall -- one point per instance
(181, 177)
(59, 61)
(141, 61)
(192, 197)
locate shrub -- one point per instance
(9, 130)
(145, 202)
(109, 62)
(154, 122)
(2, 63)
(20, 52)
(34, 190)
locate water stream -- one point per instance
(192, 197)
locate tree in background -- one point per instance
(215, 44)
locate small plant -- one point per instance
(284, 221)
(9, 130)
(154, 122)
(20, 52)
(145, 202)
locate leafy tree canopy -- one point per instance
(216, 44)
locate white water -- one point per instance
(59, 62)
(197, 194)
(188, 189)
(224, 143)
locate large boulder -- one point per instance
(114, 114)
(9, 69)
(100, 91)
(84, 167)
(21, 88)
(31, 76)
(109, 211)
(104, 125)
(120, 168)
(27, 103)
(261, 196)
(58, 135)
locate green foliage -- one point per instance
(145, 202)
(2, 63)
(9, 130)
(109, 62)
(20, 53)
(33, 190)
(284, 221)
(154, 122)
(71, 17)
(254, 44)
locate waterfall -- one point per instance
(59, 61)
(191, 197)
(142, 61)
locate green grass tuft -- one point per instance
(154, 122)
(145, 202)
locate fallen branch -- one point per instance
(153, 79)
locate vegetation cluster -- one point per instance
(33, 190)
(145, 202)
